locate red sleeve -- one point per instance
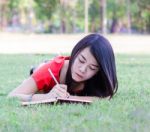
(42, 77)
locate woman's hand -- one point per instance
(59, 91)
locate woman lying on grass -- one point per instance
(90, 71)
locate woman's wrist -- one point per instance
(30, 98)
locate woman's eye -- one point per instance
(93, 69)
(81, 61)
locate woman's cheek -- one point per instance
(91, 74)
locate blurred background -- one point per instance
(75, 16)
(122, 21)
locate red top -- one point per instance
(42, 77)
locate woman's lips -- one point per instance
(81, 76)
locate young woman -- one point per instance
(90, 71)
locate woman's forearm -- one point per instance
(22, 97)
(29, 97)
(39, 97)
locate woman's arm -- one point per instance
(26, 90)
(28, 86)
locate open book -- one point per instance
(59, 100)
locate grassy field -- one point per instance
(128, 111)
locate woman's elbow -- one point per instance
(11, 94)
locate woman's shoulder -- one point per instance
(61, 58)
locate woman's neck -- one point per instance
(77, 87)
(63, 72)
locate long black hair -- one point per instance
(104, 83)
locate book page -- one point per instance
(74, 99)
(47, 101)
(71, 99)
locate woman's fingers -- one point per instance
(60, 91)
(67, 95)
(62, 86)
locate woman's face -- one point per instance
(84, 67)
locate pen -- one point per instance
(53, 76)
(55, 79)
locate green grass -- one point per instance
(128, 111)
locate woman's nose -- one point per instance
(83, 68)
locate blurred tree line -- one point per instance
(75, 16)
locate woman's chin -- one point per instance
(77, 80)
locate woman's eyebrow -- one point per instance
(91, 64)
(83, 57)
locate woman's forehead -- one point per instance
(86, 54)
